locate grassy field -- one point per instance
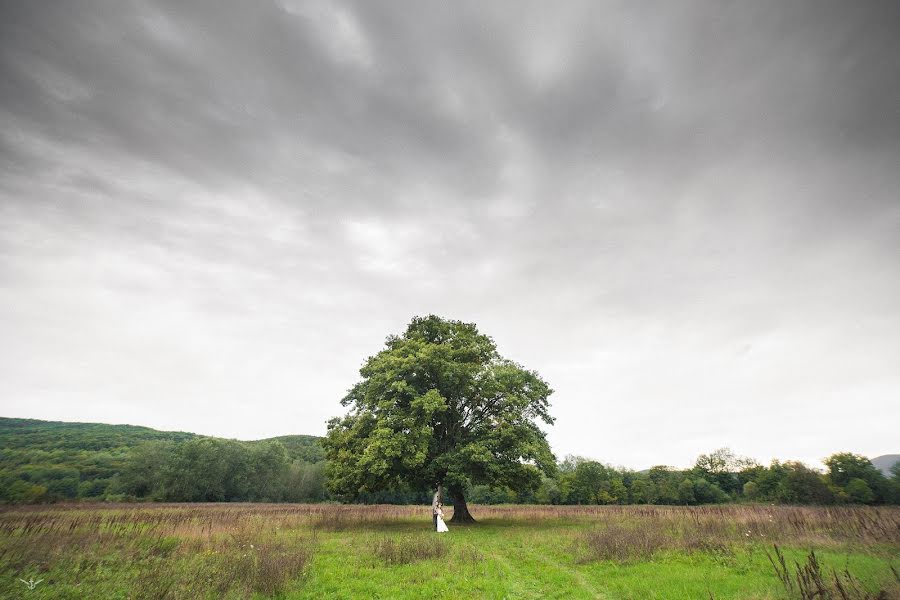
(330, 551)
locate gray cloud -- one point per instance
(685, 217)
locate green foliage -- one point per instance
(802, 485)
(708, 493)
(439, 405)
(643, 491)
(550, 492)
(142, 475)
(751, 490)
(304, 448)
(217, 470)
(686, 492)
(844, 466)
(859, 491)
(43, 461)
(486, 494)
(591, 482)
(721, 467)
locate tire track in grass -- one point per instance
(520, 582)
(576, 575)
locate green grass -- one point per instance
(510, 559)
(326, 551)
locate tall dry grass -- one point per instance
(629, 533)
(160, 552)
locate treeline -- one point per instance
(217, 470)
(715, 478)
(43, 461)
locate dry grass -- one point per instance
(174, 551)
(629, 533)
(621, 544)
(865, 524)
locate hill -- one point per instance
(33, 434)
(59, 460)
(884, 463)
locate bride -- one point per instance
(441, 526)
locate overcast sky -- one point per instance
(684, 215)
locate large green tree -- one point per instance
(439, 407)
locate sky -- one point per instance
(685, 216)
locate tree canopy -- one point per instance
(438, 406)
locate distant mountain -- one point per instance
(885, 462)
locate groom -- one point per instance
(434, 507)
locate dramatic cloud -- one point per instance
(685, 217)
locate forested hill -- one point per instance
(50, 436)
(51, 460)
(32, 434)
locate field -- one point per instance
(332, 551)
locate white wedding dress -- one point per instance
(442, 527)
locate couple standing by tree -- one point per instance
(437, 513)
(439, 405)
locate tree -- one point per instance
(207, 470)
(268, 468)
(666, 481)
(549, 492)
(686, 492)
(802, 485)
(721, 467)
(859, 491)
(643, 491)
(142, 474)
(844, 466)
(438, 406)
(751, 490)
(587, 481)
(708, 493)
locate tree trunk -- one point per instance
(461, 514)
